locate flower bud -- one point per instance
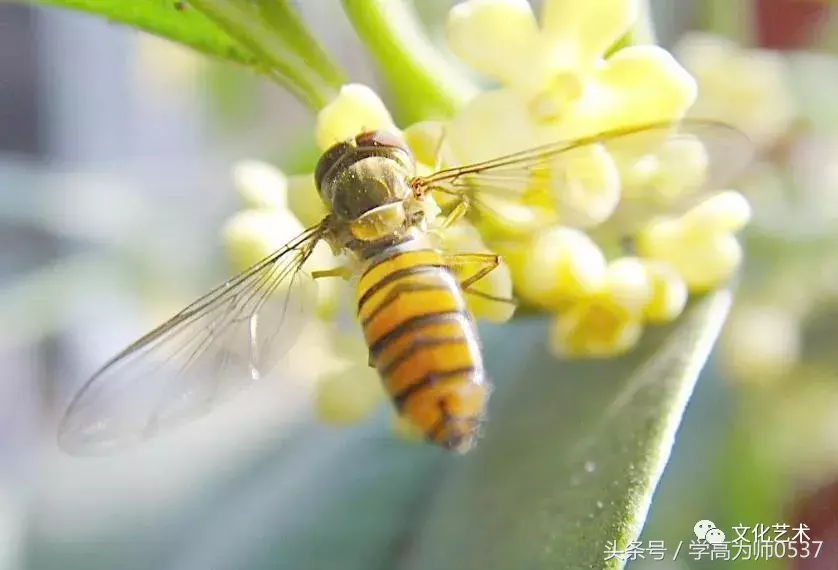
(260, 185)
(349, 396)
(356, 109)
(560, 265)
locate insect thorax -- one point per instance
(365, 185)
(365, 182)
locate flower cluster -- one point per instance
(562, 227)
(556, 83)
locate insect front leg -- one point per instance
(470, 268)
(455, 215)
(440, 147)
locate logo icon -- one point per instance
(701, 529)
(715, 536)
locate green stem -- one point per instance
(276, 35)
(423, 82)
(718, 18)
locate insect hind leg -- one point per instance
(470, 268)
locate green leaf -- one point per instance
(572, 453)
(163, 18)
(424, 83)
(287, 52)
(266, 35)
(569, 461)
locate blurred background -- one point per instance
(115, 157)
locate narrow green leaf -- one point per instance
(164, 18)
(266, 35)
(288, 53)
(572, 452)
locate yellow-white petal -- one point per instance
(252, 235)
(356, 109)
(669, 292)
(628, 283)
(759, 101)
(659, 173)
(304, 200)
(595, 327)
(584, 186)
(348, 396)
(704, 260)
(494, 37)
(508, 218)
(428, 142)
(636, 86)
(560, 266)
(592, 25)
(493, 124)
(727, 211)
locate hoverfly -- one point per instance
(410, 295)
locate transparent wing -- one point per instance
(663, 167)
(209, 351)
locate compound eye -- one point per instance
(328, 160)
(381, 139)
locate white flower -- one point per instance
(747, 88)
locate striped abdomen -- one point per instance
(424, 344)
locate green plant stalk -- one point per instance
(717, 17)
(277, 37)
(424, 84)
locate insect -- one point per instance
(410, 295)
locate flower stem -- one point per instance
(276, 35)
(424, 84)
(719, 18)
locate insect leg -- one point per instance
(470, 268)
(343, 272)
(454, 215)
(438, 152)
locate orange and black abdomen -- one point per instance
(424, 344)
